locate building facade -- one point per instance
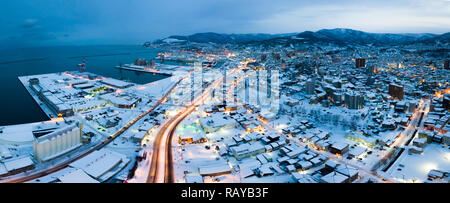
(353, 100)
(360, 62)
(54, 103)
(396, 91)
(58, 142)
(310, 87)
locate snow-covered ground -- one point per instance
(415, 167)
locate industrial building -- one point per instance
(55, 104)
(123, 100)
(102, 164)
(51, 145)
(116, 83)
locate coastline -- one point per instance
(48, 112)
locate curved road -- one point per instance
(99, 146)
(161, 165)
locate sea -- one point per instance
(17, 106)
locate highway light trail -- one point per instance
(161, 166)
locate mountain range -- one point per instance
(211, 37)
(340, 36)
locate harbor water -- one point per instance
(17, 106)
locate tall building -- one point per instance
(360, 62)
(336, 98)
(353, 100)
(370, 69)
(396, 91)
(310, 87)
(54, 144)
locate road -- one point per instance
(407, 135)
(161, 165)
(66, 163)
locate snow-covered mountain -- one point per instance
(349, 36)
(337, 36)
(444, 39)
(211, 37)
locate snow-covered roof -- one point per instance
(77, 176)
(334, 177)
(139, 135)
(116, 83)
(17, 134)
(120, 99)
(3, 169)
(194, 179)
(214, 169)
(347, 170)
(246, 147)
(98, 162)
(18, 163)
(53, 177)
(217, 120)
(340, 145)
(357, 151)
(303, 178)
(246, 172)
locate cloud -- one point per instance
(379, 16)
(30, 24)
(135, 21)
(30, 32)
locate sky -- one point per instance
(84, 22)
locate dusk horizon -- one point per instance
(100, 22)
